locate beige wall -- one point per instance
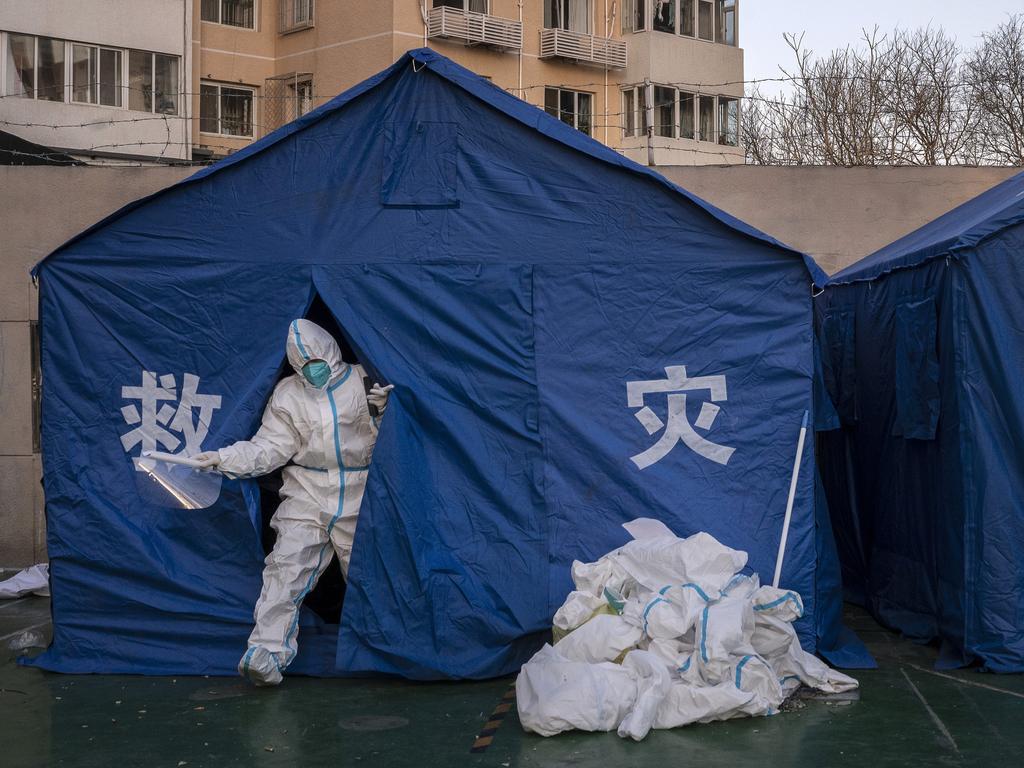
(837, 214)
(33, 224)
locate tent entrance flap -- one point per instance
(451, 536)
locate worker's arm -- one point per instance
(271, 447)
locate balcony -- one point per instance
(579, 46)
(474, 28)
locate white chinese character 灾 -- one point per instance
(678, 429)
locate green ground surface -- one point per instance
(907, 715)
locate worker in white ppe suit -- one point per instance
(318, 423)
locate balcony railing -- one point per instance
(580, 46)
(476, 28)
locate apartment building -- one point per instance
(101, 79)
(660, 80)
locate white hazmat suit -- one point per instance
(325, 436)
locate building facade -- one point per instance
(659, 80)
(179, 80)
(102, 78)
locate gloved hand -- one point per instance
(207, 459)
(378, 396)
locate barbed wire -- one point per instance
(682, 84)
(640, 147)
(639, 131)
(835, 113)
(904, 138)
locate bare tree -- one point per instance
(995, 73)
(933, 116)
(843, 96)
(905, 98)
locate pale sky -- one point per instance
(832, 24)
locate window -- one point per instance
(665, 15)
(475, 6)
(233, 13)
(629, 112)
(680, 115)
(153, 82)
(21, 66)
(634, 108)
(226, 110)
(165, 90)
(705, 20)
(95, 75)
(571, 107)
(692, 18)
(302, 11)
(687, 115)
(726, 21)
(49, 69)
(293, 15)
(686, 17)
(572, 15)
(706, 118)
(35, 67)
(664, 112)
(303, 92)
(728, 122)
(39, 67)
(634, 16)
(140, 81)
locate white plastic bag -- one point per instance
(700, 641)
(555, 695)
(576, 610)
(31, 581)
(652, 685)
(603, 638)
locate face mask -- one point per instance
(317, 373)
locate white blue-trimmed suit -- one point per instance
(326, 438)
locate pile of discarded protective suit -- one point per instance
(664, 632)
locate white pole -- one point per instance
(789, 503)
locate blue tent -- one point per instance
(510, 277)
(923, 349)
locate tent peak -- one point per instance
(504, 102)
(953, 232)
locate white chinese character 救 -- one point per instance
(155, 419)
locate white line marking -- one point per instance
(24, 629)
(6, 604)
(968, 682)
(935, 717)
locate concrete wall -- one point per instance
(40, 208)
(836, 214)
(150, 25)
